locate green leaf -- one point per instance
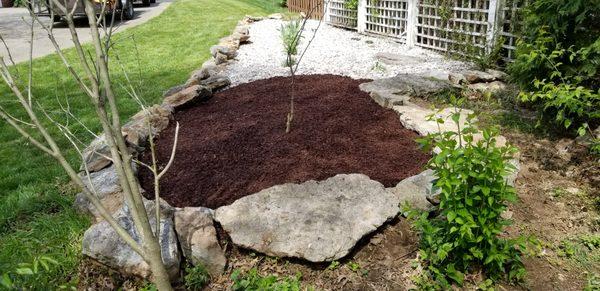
(24, 271)
(451, 215)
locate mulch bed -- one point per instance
(235, 144)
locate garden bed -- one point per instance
(235, 144)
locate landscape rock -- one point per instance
(196, 93)
(106, 185)
(152, 120)
(232, 42)
(398, 59)
(398, 90)
(197, 76)
(498, 75)
(316, 221)
(415, 118)
(174, 90)
(457, 79)
(473, 77)
(97, 155)
(101, 242)
(216, 82)
(219, 49)
(485, 88)
(416, 190)
(241, 33)
(277, 16)
(198, 239)
(220, 58)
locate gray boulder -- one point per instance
(416, 191)
(225, 50)
(198, 238)
(152, 120)
(316, 221)
(97, 155)
(216, 82)
(102, 243)
(398, 90)
(196, 93)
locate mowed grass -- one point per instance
(36, 213)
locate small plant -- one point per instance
(26, 272)
(196, 277)
(291, 33)
(289, 36)
(333, 265)
(252, 281)
(593, 283)
(474, 192)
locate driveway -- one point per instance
(15, 24)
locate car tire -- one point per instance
(146, 3)
(152, 1)
(127, 12)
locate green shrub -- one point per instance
(474, 192)
(551, 26)
(196, 277)
(558, 61)
(252, 281)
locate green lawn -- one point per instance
(36, 215)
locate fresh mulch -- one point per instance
(235, 144)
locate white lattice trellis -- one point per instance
(338, 14)
(387, 17)
(464, 27)
(510, 23)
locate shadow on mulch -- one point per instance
(235, 144)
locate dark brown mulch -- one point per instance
(235, 144)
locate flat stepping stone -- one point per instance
(398, 90)
(316, 221)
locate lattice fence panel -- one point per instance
(387, 17)
(456, 26)
(339, 15)
(511, 22)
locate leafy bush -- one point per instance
(558, 61)
(471, 175)
(351, 4)
(551, 26)
(565, 104)
(252, 281)
(196, 277)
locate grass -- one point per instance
(36, 213)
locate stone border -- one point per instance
(329, 225)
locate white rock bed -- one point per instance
(333, 51)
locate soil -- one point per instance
(235, 144)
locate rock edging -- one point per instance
(188, 229)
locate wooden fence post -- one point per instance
(361, 16)
(411, 22)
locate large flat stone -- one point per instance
(398, 90)
(415, 118)
(316, 221)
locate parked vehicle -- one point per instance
(122, 8)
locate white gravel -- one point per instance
(333, 51)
